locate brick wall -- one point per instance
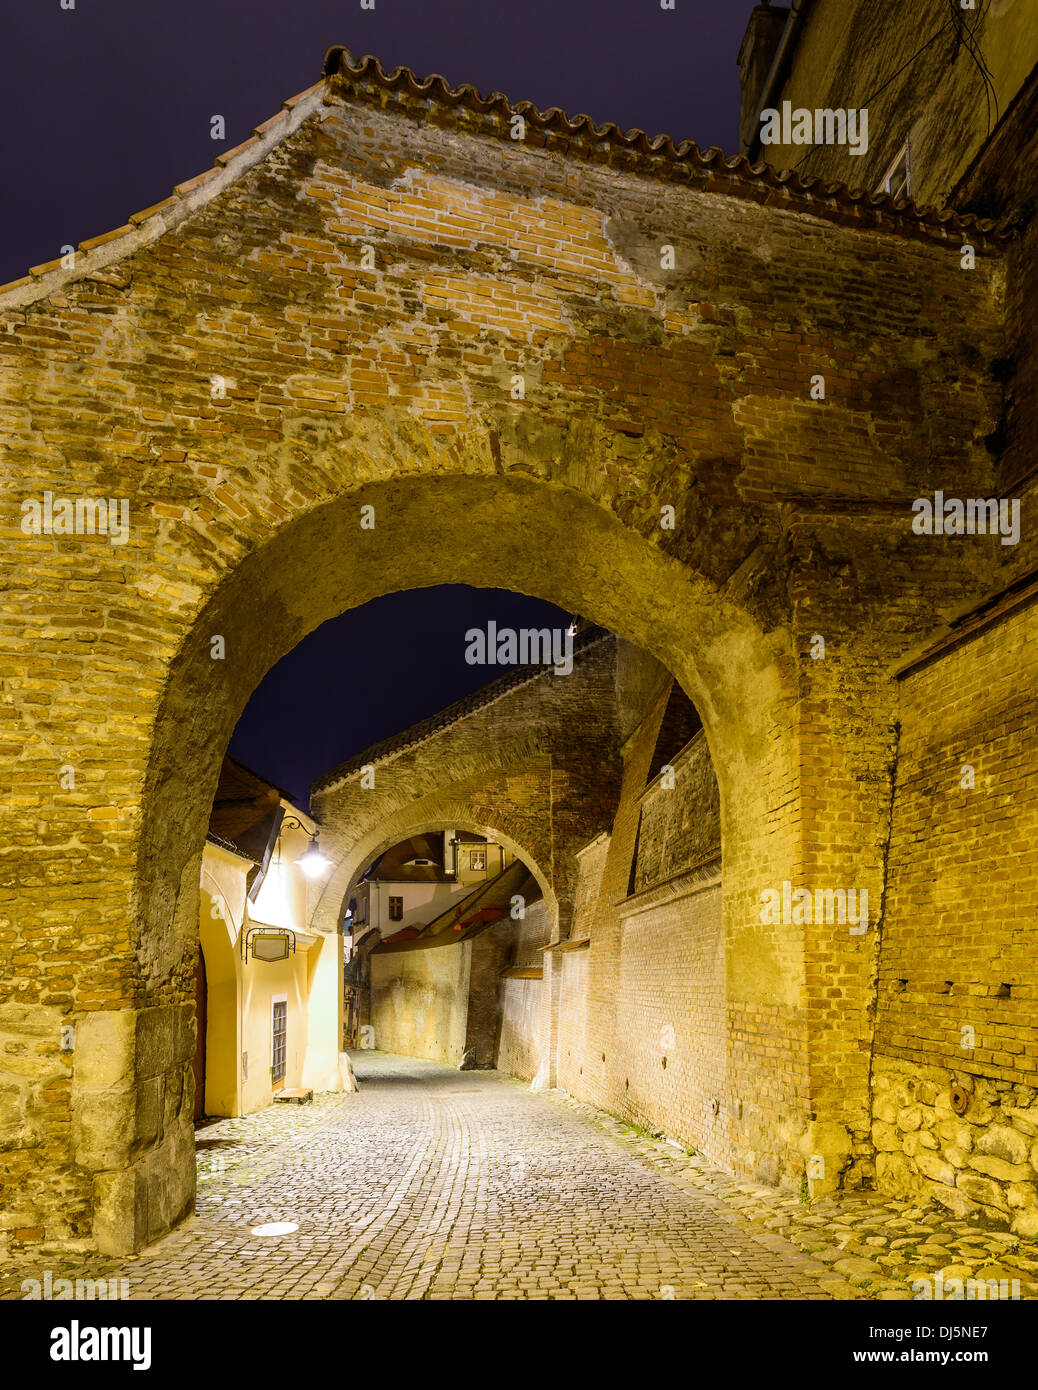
(958, 974)
(573, 970)
(441, 1003)
(339, 387)
(523, 1035)
(964, 859)
(643, 1007)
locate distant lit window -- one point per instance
(396, 909)
(897, 181)
(478, 861)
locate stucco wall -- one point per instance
(419, 1002)
(849, 50)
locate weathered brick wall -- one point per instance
(572, 967)
(677, 831)
(524, 1031)
(340, 387)
(490, 952)
(670, 1021)
(670, 1017)
(958, 973)
(440, 1003)
(520, 1047)
(648, 1039)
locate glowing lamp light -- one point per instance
(312, 862)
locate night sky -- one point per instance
(109, 105)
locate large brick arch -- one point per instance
(526, 535)
(342, 386)
(451, 807)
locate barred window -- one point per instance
(279, 1034)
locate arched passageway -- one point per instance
(474, 996)
(294, 411)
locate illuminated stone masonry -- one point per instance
(400, 338)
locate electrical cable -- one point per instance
(977, 54)
(880, 90)
(972, 48)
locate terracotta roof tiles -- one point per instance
(436, 723)
(580, 136)
(653, 155)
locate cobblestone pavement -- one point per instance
(433, 1183)
(883, 1247)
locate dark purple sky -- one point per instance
(109, 105)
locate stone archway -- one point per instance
(540, 540)
(385, 302)
(556, 734)
(454, 813)
(457, 987)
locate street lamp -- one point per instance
(312, 862)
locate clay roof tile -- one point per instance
(104, 237)
(427, 728)
(655, 156)
(228, 155)
(660, 151)
(136, 218)
(189, 185)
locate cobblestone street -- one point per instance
(434, 1183)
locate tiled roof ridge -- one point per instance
(231, 848)
(660, 149)
(445, 718)
(734, 175)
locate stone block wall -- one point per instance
(34, 1124)
(981, 1164)
(133, 1120)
